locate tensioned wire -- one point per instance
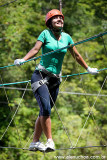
(61, 92)
(10, 110)
(88, 115)
(68, 46)
(91, 111)
(77, 74)
(58, 149)
(93, 104)
(14, 113)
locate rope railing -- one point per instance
(60, 92)
(6, 84)
(102, 146)
(68, 46)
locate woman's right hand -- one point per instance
(19, 62)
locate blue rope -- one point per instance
(68, 46)
(83, 73)
(61, 76)
(6, 84)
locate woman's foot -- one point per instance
(37, 146)
(49, 146)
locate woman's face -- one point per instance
(57, 22)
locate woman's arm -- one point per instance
(33, 51)
(30, 54)
(78, 57)
(81, 61)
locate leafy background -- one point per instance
(21, 23)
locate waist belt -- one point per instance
(40, 67)
(37, 84)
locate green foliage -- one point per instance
(20, 24)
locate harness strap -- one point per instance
(40, 67)
(37, 84)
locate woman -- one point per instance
(45, 80)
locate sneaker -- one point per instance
(35, 146)
(50, 146)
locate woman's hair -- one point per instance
(49, 23)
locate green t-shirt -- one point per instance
(53, 62)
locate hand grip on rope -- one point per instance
(19, 62)
(92, 70)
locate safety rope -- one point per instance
(15, 83)
(57, 149)
(14, 113)
(28, 140)
(10, 110)
(92, 114)
(77, 74)
(61, 92)
(68, 46)
(64, 128)
(91, 111)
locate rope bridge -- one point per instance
(80, 42)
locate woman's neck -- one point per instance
(57, 35)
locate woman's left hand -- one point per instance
(92, 70)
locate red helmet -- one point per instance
(52, 13)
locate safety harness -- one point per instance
(45, 80)
(37, 84)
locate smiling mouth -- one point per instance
(59, 23)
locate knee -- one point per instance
(45, 112)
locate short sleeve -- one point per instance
(42, 37)
(70, 40)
